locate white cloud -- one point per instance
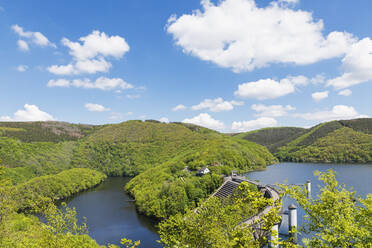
(59, 83)
(22, 45)
(272, 110)
(101, 83)
(288, 1)
(205, 120)
(29, 113)
(244, 126)
(133, 96)
(22, 68)
(346, 92)
(97, 43)
(81, 66)
(238, 34)
(269, 89)
(217, 105)
(164, 119)
(318, 79)
(318, 96)
(179, 107)
(93, 107)
(36, 38)
(357, 66)
(62, 69)
(89, 54)
(92, 66)
(6, 118)
(338, 112)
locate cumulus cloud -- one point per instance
(29, 113)
(36, 38)
(205, 120)
(357, 66)
(22, 68)
(240, 35)
(269, 89)
(164, 119)
(23, 46)
(318, 96)
(93, 107)
(90, 53)
(338, 112)
(217, 105)
(179, 107)
(97, 43)
(62, 69)
(101, 83)
(346, 92)
(59, 83)
(244, 126)
(81, 66)
(272, 110)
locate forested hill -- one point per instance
(335, 141)
(166, 157)
(48, 131)
(273, 138)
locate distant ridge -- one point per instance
(45, 131)
(330, 142)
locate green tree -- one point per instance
(217, 223)
(336, 217)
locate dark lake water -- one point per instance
(111, 216)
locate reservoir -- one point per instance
(111, 215)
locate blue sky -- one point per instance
(231, 65)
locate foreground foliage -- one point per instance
(217, 223)
(336, 217)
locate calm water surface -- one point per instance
(111, 216)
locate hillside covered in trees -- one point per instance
(345, 141)
(166, 158)
(44, 162)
